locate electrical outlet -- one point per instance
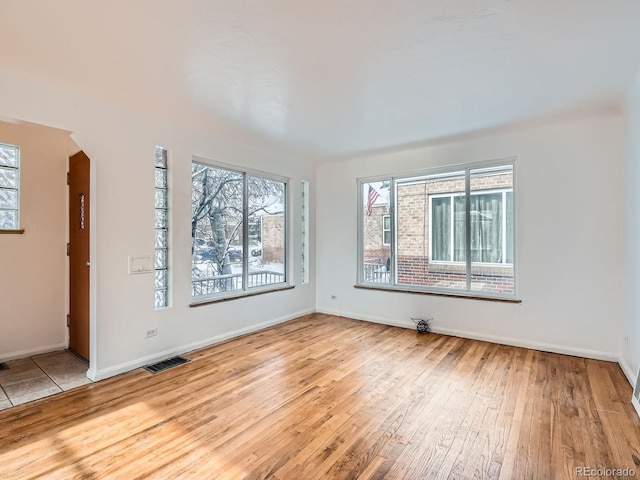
(334, 297)
(152, 332)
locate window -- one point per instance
(386, 230)
(305, 232)
(162, 230)
(442, 231)
(9, 187)
(490, 230)
(238, 230)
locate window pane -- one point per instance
(8, 219)
(161, 178)
(8, 178)
(161, 157)
(161, 238)
(8, 199)
(161, 198)
(492, 230)
(161, 218)
(8, 155)
(267, 234)
(426, 229)
(161, 279)
(217, 226)
(161, 258)
(161, 299)
(376, 252)
(441, 229)
(459, 229)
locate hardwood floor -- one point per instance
(328, 397)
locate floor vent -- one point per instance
(166, 364)
(3, 366)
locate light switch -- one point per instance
(140, 264)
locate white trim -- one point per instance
(386, 230)
(544, 347)
(628, 371)
(101, 374)
(5, 357)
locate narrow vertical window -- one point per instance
(9, 187)
(162, 233)
(305, 232)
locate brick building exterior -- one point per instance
(272, 237)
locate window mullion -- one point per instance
(392, 231)
(245, 232)
(467, 225)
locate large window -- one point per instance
(162, 230)
(445, 231)
(9, 187)
(238, 230)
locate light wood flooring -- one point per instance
(326, 397)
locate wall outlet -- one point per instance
(334, 297)
(152, 332)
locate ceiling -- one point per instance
(333, 77)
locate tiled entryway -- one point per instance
(39, 376)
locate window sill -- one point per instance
(469, 296)
(209, 301)
(12, 232)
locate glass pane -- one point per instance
(267, 235)
(441, 229)
(161, 198)
(161, 157)
(161, 218)
(161, 258)
(8, 199)
(217, 207)
(161, 279)
(8, 220)
(492, 230)
(161, 178)
(161, 299)
(8, 178)
(459, 229)
(427, 231)
(8, 155)
(376, 253)
(161, 238)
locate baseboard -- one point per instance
(628, 371)
(5, 357)
(514, 342)
(101, 374)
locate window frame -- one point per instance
(17, 228)
(444, 171)
(249, 291)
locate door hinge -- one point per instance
(68, 249)
(68, 320)
(68, 179)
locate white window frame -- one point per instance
(16, 227)
(250, 291)
(411, 177)
(386, 230)
(452, 196)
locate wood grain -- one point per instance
(328, 397)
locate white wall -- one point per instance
(121, 144)
(630, 344)
(32, 265)
(569, 227)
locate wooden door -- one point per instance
(79, 266)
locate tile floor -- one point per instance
(39, 376)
